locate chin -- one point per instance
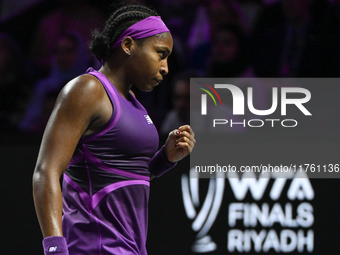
(147, 88)
(150, 89)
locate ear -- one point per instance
(127, 44)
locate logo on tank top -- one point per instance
(148, 119)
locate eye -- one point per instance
(161, 54)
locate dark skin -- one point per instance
(84, 107)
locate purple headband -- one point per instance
(150, 26)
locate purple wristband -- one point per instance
(55, 245)
(159, 164)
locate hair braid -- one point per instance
(118, 22)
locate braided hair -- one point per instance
(120, 20)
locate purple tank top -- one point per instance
(106, 185)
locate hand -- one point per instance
(180, 143)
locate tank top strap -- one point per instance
(112, 93)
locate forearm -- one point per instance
(48, 202)
(160, 164)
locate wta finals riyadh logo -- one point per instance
(203, 214)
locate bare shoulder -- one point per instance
(83, 86)
(83, 94)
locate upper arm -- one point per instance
(78, 104)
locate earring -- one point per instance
(128, 53)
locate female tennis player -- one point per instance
(104, 144)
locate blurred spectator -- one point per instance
(179, 115)
(46, 109)
(13, 82)
(210, 16)
(226, 56)
(252, 10)
(297, 46)
(70, 60)
(73, 15)
(229, 54)
(178, 15)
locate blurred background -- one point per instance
(44, 44)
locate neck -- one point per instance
(114, 71)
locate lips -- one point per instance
(158, 81)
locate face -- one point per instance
(66, 53)
(148, 62)
(226, 47)
(181, 99)
(221, 12)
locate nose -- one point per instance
(164, 69)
